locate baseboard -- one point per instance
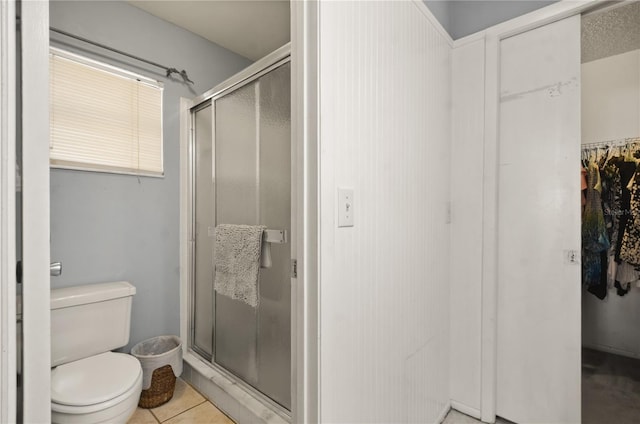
(615, 351)
(465, 409)
(444, 413)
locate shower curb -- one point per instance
(232, 399)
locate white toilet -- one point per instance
(90, 384)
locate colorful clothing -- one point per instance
(630, 250)
(594, 232)
(627, 170)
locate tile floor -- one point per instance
(610, 388)
(186, 406)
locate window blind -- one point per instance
(103, 118)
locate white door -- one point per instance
(36, 357)
(538, 328)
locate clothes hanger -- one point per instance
(595, 163)
(603, 155)
(593, 156)
(635, 151)
(610, 151)
(628, 155)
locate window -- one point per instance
(103, 118)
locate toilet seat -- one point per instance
(95, 383)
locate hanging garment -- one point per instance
(599, 289)
(626, 170)
(611, 202)
(583, 186)
(612, 207)
(625, 276)
(594, 233)
(630, 249)
(612, 270)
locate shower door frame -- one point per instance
(258, 69)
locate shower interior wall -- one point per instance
(109, 227)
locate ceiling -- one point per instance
(255, 28)
(251, 29)
(610, 32)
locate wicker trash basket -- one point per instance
(161, 360)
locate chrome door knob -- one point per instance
(55, 269)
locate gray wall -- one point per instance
(108, 227)
(464, 17)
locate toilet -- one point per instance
(89, 383)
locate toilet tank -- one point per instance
(89, 319)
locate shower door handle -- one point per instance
(55, 269)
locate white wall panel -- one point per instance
(384, 283)
(466, 230)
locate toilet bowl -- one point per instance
(90, 384)
(104, 388)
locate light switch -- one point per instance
(345, 207)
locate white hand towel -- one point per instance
(237, 261)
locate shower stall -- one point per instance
(240, 173)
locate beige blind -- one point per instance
(103, 118)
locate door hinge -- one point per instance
(294, 268)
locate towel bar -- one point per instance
(274, 236)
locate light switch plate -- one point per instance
(572, 257)
(345, 207)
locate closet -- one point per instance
(530, 95)
(538, 358)
(569, 94)
(610, 181)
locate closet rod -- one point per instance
(169, 70)
(611, 143)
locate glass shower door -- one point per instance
(246, 172)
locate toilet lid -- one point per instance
(95, 379)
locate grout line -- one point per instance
(154, 416)
(186, 410)
(195, 389)
(206, 399)
(173, 416)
